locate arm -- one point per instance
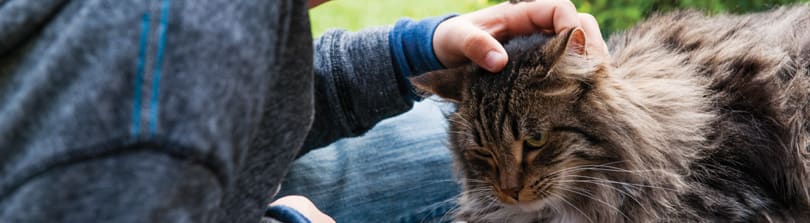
(361, 78)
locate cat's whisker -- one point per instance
(455, 207)
(605, 166)
(545, 193)
(487, 204)
(609, 186)
(442, 181)
(465, 122)
(563, 170)
(430, 182)
(482, 202)
(625, 171)
(573, 168)
(590, 196)
(570, 204)
(450, 214)
(479, 192)
(624, 183)
(476, 183)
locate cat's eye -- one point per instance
(536, 140)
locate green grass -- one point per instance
(617, 15)
(357, 14)
(613, 15)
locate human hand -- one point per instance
(475, 36)
(304, 206)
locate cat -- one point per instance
(692, 118)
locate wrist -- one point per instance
(412, 50)
(412, 45)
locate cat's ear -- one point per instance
(448, 83)
(569, 43)
(575, 42)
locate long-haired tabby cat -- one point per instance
(691, 119)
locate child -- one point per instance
(193, 111)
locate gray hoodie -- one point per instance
(173, 110)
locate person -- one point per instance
(193, 111)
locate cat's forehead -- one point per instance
(521, 44)
(526, 60)
(526, 87)
(526, 52)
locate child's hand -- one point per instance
(474, 36)
(304, 207)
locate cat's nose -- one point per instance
(514, 193)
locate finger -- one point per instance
(564, 16)
(595, 43)
(323, 218)
(484, 50)
(557, 15)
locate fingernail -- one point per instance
(493, 59)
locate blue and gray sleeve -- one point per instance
(361, 77)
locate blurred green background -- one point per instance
(613, 15)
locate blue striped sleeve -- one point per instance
(285, 214)
(412, 49)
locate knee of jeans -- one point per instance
(138, 186)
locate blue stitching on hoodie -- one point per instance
(136, 104)
(164, 20)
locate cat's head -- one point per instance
(552, 127)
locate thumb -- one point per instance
(483, 49)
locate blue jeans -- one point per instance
(399, 171)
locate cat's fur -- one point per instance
(691, 119)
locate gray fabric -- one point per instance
(354, 102)
(118, 188)
(200, 124)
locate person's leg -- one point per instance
(400, 171)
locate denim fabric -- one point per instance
(400, 171)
